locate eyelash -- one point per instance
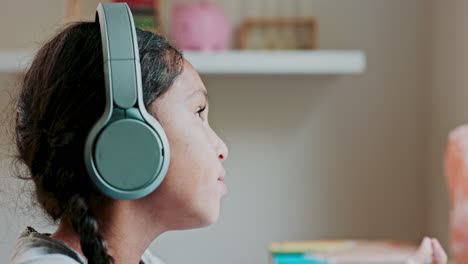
(201, 110)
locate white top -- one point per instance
(32, 247)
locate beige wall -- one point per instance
(23, 23)
(310, 156)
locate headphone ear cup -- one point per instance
(129, 157)
(126, 156)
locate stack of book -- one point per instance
(340, 252)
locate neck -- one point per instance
(127, 235)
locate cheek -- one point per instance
(189, 145)
(193, 173)
(189, 159)
(192, 166)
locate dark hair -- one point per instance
(62, 95)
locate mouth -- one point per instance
(221, 177)
(222, 183)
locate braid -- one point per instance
(84, 222)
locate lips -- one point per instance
(221, 178)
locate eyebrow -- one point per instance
(205, 93)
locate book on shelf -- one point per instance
(340, 252)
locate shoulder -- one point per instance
(150, 258)
(33, 258)
(32, 247)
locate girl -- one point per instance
(61, 97)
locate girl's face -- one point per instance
(190, 195)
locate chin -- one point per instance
(209, 218)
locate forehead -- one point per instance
(184, 86)
(188, 83)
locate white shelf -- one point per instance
(14, 61)
(279, 62)
(244, 62)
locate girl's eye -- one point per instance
(200, 111)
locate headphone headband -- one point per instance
(120, 48)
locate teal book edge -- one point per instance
(297, 258)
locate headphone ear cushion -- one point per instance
(129, 155)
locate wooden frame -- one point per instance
(72, 11)
(308, 22)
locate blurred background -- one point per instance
(317, 151)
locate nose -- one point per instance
(219, 146)
(222, 150)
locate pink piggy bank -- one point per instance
(200, 26)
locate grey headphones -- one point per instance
(126, 152)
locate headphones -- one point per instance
(126, 151)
